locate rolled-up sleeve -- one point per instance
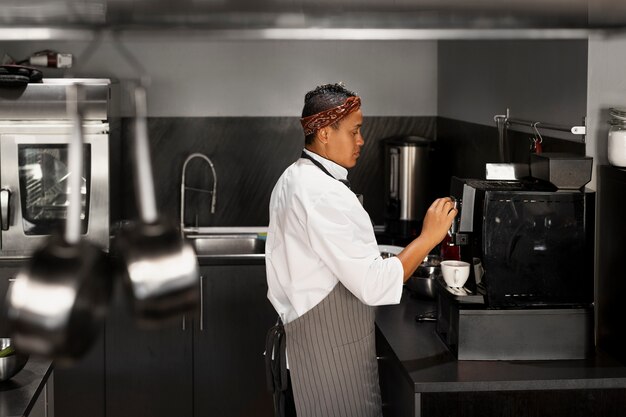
(341, 234)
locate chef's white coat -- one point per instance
(318, 235)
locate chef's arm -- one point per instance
(436, 224)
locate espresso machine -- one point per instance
(530, 246)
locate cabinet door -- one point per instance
(229, 373)
(148, 372)
(8, 272)
(611, 285)
(79, 388)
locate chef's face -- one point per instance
(343, 145)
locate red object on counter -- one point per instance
(449, 251)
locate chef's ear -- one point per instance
(323, 133)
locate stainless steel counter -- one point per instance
(19, 394)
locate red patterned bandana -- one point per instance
(327, 117)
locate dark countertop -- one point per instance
(431, 367)
(19, 394)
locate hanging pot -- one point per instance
(159, 267)
(57, 304)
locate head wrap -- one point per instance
(327, 117)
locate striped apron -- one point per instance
(332, 358)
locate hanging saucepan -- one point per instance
(58, 301)
(159, 268)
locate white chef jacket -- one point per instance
(319, 235)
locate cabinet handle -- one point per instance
(184, 327)
(4, 208)
(201, 302)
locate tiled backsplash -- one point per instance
(249, 154)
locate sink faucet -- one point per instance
(183, 187)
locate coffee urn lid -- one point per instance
(408, 141)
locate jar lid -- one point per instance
(618, 116)
(617, 112)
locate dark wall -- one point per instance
(541, 80)
(463, 149)
(249, 154)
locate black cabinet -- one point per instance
(78, 389)
(396, 389)
(8, 272)
(210, 365)
(148, 371)
(611, 248)
(229, 339)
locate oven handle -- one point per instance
(5, 195)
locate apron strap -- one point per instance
(276, 366)
(324, 170)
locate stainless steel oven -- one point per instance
(33, 166)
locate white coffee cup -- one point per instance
(455, 273)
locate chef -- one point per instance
(325, 272)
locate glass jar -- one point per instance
(617, 137)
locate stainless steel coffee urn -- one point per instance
(407, 191)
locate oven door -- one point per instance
(34, 190)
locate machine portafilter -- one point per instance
(454, 227)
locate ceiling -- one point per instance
(314, 18)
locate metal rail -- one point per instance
(579, 130)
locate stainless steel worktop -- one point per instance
(19, 394)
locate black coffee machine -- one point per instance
(531, 286)
(533, 242)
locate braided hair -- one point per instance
(322, 98)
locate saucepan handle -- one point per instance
(144, 182)
(75, 164)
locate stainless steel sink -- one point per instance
(227, 244)
(218, 245)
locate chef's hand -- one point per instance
(438, 220)
(434, 228)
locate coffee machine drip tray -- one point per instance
(464, 295)
(474, 332)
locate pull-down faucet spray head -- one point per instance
(183, 187)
